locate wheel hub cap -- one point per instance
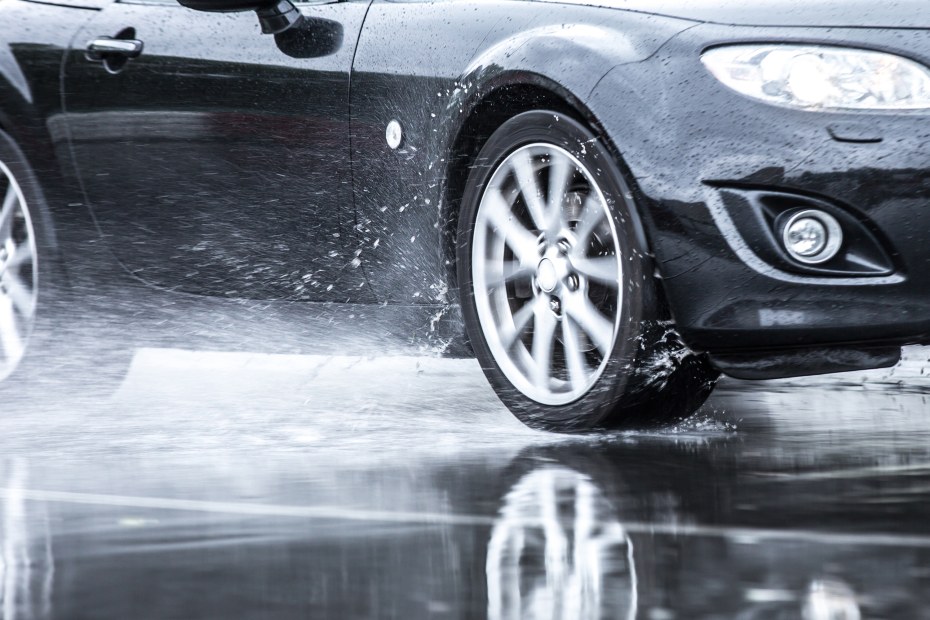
(546, 275)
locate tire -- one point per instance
(559, 299)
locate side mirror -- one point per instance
(313, 37)
(225, 6)
(275, 16)
(296, 35)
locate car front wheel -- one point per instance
(558, 295)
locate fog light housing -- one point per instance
(812, 236)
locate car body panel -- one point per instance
(792, 13)
(399, 74)
(75, 4)
(214, 163)
(720, 296)
(30, 101)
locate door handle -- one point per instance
(99, 49)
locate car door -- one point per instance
(213, 161)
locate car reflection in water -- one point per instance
(383, 497)
(557, 551)
(27, 565)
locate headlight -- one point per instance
(821, 77)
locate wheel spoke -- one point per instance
(23, 255)
(522, 165)
(561, 170)
(598, 327)
(574, 354)
(520, 240)
(497, 274)
(592, 212)
(521, 318)
(544, 326)
(13, 289)
(10, 200)
(10, 340)
(603, 269)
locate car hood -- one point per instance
(826, 13)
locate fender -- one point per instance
(400, 194)
(575, 55)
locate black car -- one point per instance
(614, 200)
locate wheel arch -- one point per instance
(505, 97)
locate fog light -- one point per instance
(812, 236)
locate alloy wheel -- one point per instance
(18, 273)
(546, 269)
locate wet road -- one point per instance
(261, 461)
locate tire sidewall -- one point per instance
(562, 131)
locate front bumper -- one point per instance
(692, 146)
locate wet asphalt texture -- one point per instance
(169, 456)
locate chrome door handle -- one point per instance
(100, 48)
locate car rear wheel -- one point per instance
(558, 295)
(18, 270)
(48, 354)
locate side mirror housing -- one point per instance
(275, 16)
(224, 6)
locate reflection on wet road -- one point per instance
(220, 481)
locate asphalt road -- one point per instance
(260, 461)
